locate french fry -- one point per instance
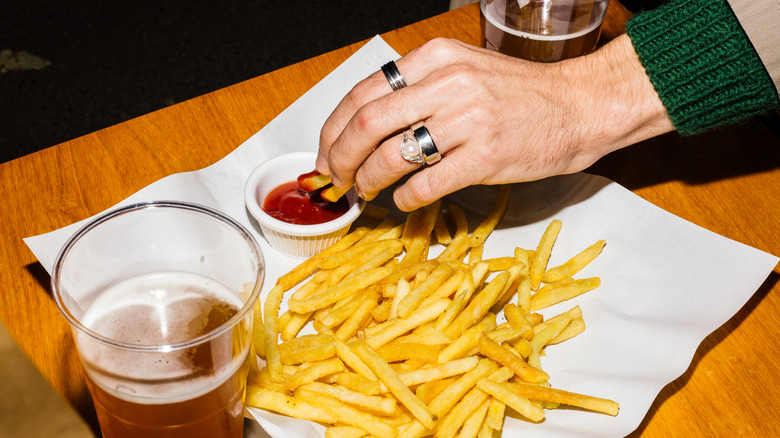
(313, 181)
(574, 264)
(536, 392)
(419, 233)
(478, 307)
(575, 327)
(522, 405)
(346, 288)
(469, 340)
(573, 313)
(462, 297)
(357, 383)
(487, 226)
(293, 325)
(307, 267)
(372, 403)
(333, 193)
(495, 414)
(448, 288)
(358, 317)
(345, 432)
(381, 312)
(475, 254)
(541, 338)
(456, 249)
(284, 404)
(440, 230)
(401, 291)
(440, 371)
(517, 319)
(428, 390)
(470, 402)
(410, 303)
(502, 355)
(473, 423)
(359, 254)
(376, 212)
(338, 314)
(312, 353)
(401, 326)
(555, 293)
(271, 332)
(500, 263)
(398, 351)
(262, 379)
(543, 251)
(393, 383)
(258, 330)
(347, 414)
(425, 334)
(314, 372)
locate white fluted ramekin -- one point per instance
(301, 241)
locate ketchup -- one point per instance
(292, 204)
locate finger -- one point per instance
(378, 120)
(367, 90)
(386, 164)
(452, 173)
(415, 66)
(382, 168)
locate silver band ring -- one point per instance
(427, 147)
(393, 76)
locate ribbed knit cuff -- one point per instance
(701, 64)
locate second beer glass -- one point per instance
(542, 30)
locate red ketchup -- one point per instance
(292, 204)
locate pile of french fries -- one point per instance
(407, 345)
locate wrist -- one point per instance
(617, 104)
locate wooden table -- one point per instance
(727, 181)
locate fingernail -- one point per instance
(360, 193)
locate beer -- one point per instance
(542, 30)
(193, 388)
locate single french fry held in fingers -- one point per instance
(408, 337)
(313, 181)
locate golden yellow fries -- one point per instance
(411, 346)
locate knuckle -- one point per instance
(366, 119)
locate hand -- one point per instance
(495, 119)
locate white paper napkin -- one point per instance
(666, 283)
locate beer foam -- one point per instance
(489, 13)
(160, 309)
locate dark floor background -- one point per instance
(114, 60)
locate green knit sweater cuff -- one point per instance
(701, 64)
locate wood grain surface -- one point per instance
(727, 181)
